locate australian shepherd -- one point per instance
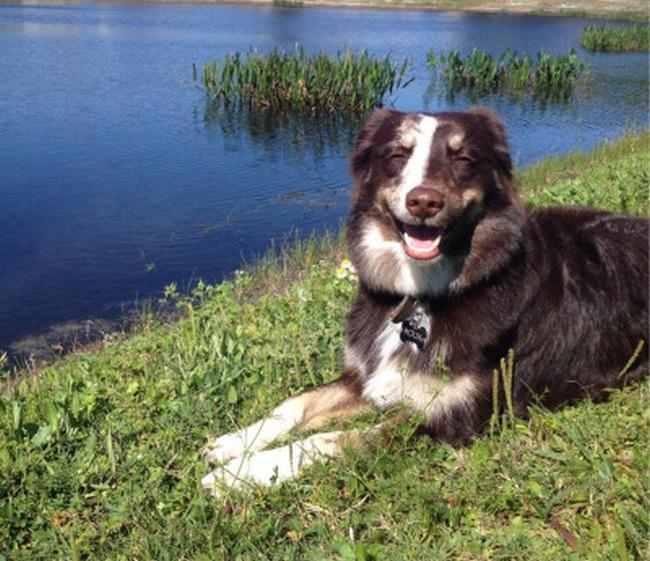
(455, 273)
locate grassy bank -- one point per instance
(99, 453)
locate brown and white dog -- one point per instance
(455, 270)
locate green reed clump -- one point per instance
(616, 39)
(556, 77)
(480, 73)
(347, 82)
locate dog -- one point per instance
(455, 273)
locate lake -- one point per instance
(116, 179)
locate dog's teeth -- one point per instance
(432, 244)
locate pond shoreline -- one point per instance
(612, 9)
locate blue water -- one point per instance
(114, 181)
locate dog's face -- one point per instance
(422, 184)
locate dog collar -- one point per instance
(410, 313)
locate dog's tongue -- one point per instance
(421, 242)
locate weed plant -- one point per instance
(347, 83)
(480, 74)
(609, 38)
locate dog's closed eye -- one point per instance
(395, 161)
(466, 158)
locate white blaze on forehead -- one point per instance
(419, 134)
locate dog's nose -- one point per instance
(423, 202)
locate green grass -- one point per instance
(347, 83)
(612, 175)
(634, 14)
(479, 74)
(99, 452)
(609, 38)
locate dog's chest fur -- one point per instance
(392, 368)
(452, 331)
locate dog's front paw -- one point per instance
(218, 482)
(260, 468)
(224, 448)
(269, 467)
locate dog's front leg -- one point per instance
(268, 467)
(310, 409)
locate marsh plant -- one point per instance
(348, 83)
(609, 38)
(479, 74)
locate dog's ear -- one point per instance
(368, 138)
(499, 142)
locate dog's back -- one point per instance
(590, 313)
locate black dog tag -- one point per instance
(414, 330)
(414, 322)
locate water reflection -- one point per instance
(295, 134)
(438, 93)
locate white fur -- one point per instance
(420, 134)
(387, 384)
(411, 277)
(383, 386)
(428, 277)
(459, 391)
(269, 467)
(388, 341)
(427, 393)
(374, 242)
(392, 383)
(258, 435)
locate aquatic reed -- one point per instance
(616, 38)
(348, 82)
(480, 73)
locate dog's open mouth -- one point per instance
(421, 242)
